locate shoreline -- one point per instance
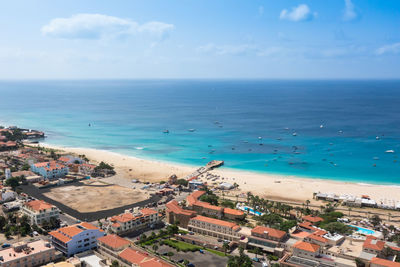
(277, 186)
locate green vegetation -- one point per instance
(276, 221)
(240, 261)
(227, 203)
(114, 263)
(12, 225)
(104, 166)
(216, 252)
(181, 246)
(182, 182)
(13, 183)
(210, 197)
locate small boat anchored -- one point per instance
(191, 130)
(166, 131)
(389, 151)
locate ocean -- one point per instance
(339, 130)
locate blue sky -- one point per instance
(271, 39)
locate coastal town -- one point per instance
(66, 209)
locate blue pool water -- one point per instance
(252, 211)
(343, 128)
(364, 231)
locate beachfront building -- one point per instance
(268, 239)
(312, 219)
(176, 214)
(214, 227)
(50, 170)
(373, 245)
(207, 209)
(130, 222)
(31, 254)
(39, 211)
(76, 238)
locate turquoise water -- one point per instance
(129, 117)
(364, 231)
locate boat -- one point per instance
(294, 134)
(260, 137)
(389, 151)
(340, 131)
(166, 131)
(377, 138)
(191, 130)
(321, 126)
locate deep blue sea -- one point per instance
(336, 122)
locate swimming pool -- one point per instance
(363, 231)
(254, 212)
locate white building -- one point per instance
(129, 222)
(50, 170)
(7, 173)
(76, 238)
(7, 195)
(39, 211)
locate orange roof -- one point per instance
(307, 225)
(174, 207)
(306, 246)
(115, 225)
(372, 243)
(216, 222)
(64, 159)
(125, 217)
(142, 259)
(70, 230)
(312, 219)
(38, 205)
(60, 236)
(192, 198)
(233, 212)
(269, 231)
(206, 205)
(89, 226)
(301, 234)
(317, 238)
(385, 263)
(114, 241)
(147, 211)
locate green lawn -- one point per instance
(183, 246)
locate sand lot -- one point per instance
(95, 196)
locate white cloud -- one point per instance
(227, 49)
(300, 13)
(98, 26)
(349, 12)
(392, 49)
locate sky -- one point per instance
(210, 39)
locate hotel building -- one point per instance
(40, 211)
(76, 238)
(129, 222)
(215, 228)
(50, 170)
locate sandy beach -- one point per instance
(273, 186)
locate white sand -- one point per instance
(289, 188)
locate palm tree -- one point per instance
(257, 251)
(225, 246)
(349, 211)
(307, 203)
(170, 254)
(389, 215)
(155, 248)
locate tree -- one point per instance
(225, 246)
(182, 182)
(240, 261)
(349, 210)
(155, 248)
(359, 263)
(257, 251)
(172, 229)
(170, 254)
(375, 220)
(114, 263)
(13, 183)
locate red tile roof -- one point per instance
(317, 238)
(233, 212)
(60, 236)
(174, 207)
(193, 198)
(142, 259)
(372, 243)
(114, 241)
(269, 231)
(147, 211)
(306, 246)
(307, 225)
(38, 205)
(312, 219)
(385, 263)
(234, 226)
